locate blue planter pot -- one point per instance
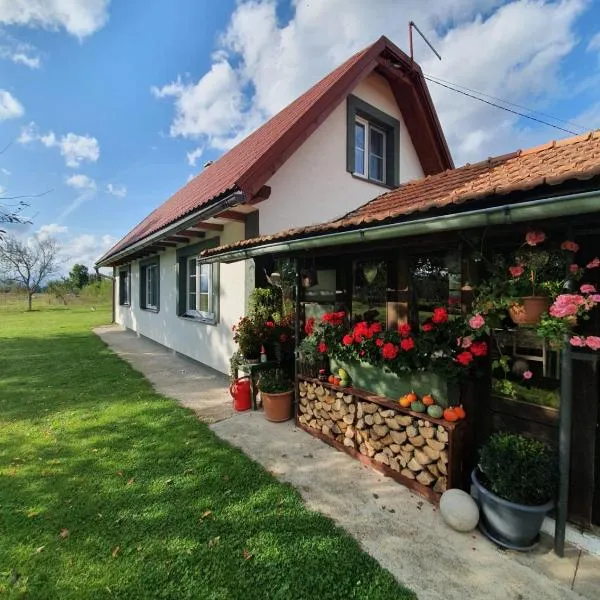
(510, 525)
(393, 386)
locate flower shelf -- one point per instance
(422, 453)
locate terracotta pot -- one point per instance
(278, 407)
(529, 311)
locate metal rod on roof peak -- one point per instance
(412, 25)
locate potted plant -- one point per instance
(250, 336)
(276, 392)
(516, 483)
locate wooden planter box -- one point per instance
(422, 453)
(390, 385)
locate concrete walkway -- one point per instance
(403, 532)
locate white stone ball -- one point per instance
(459, 510)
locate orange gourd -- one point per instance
(406, 401)
(450, 414)
(460, 412)
(331, 379)
(428, 400)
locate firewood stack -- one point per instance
(415, 447)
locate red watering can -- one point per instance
(240, 392)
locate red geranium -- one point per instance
(440, 315)
(407, 344)
(374, 328)
(465, 358)
(479, 349)
(404, 329)
(322, 347)
(389, 351)
(379, 342)
(347, 340)
(309, 326)
(427, 327)
(361, 331)
(334, 318)
(270, 324)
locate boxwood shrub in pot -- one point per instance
(276, 392)
(516, 484)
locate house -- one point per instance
(365, 128)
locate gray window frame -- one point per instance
(154, 261)
(127, 288)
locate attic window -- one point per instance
(373, 143)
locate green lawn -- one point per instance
(108, 490)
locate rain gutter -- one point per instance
(543, 208)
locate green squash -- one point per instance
(435, 411)
(417, 406)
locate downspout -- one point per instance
(543, 208)
(297, 290)
(113, 295)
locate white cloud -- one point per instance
(5, 171)
(81, 182)
(18, 52)
(33, 62)
(51, 230)
(116, 190)
(525, 40)
(78, 17)
(594, 43)
(74, 148)
(194, 155)
(85, 248)
(10, 107)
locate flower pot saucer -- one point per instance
(503, 543)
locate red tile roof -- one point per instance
(576, 158)
(250, 164)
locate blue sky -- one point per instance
(106, 104)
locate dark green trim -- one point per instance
(125, 269)
(252, 225)
(143, 264)
(357, 107)
(183, 256)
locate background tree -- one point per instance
(60, 289)
(79, 276)
(28, 263)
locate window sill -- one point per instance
(150, 309)
(125, 304)
(198, 319)
(374, 182)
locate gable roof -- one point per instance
(554, 163)
(250, 164)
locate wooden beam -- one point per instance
(263, 194)
(179, 239)
(192, 233)
(232, 215)
(209, 226)
(168, 244)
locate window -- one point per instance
(150, 284)
(369, 290)
(373, 143)
(124, 286)
(198, 285)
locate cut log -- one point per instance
(413, 465)
(444, 456)
(377, 418)
(369, 420)
(432, 453)
(313, 423)
(392, 423)
(382, 458)
(381, 430)
(440, 485)
(433, 470)
(339, 395)
(395, 448)
(325, 430)
(349, 443)
(350, 432)
(320, 390)
(347, 398)
(426, 432)
(335, 429)
(422, 458)
(386, 450)
(404, 420)
(326, 407)
(425, 478)
(370, 408)
(411, 431)
(351, 408)
(348, 419)
(407, 473)
(360, 424)
(394, 464)
(442, 467)
(386, 440)
(417, 441)
(405, 456)
(399, 437)
(363, 449)
(358, 438)
(435, 444)
(359, 410)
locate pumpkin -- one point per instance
(336, 380)
(405, 401)
(413, 397)
(435, 411)
(460, 411)
(428, 400)
(331, 379)
(417, 406)
(450, 414)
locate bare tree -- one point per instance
(28, 262)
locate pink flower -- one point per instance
(570, 246)
(594, 264)
(527, 375)
(577, 341)
(566, 305)
(476, 322)
(467, 341)
(574, 268)
(533, 238)
(516, 271)
(595, 298)
(593, 342)
(587, 288)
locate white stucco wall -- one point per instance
(314, 186)
(209, 344)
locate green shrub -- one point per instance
(274, 381)
(265, 304)
(518, 469)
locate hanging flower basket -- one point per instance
(529, 310)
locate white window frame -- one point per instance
(148, 268)
(194, 311)
(367, 150)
